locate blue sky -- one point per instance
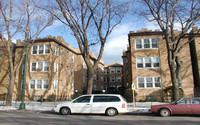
(116, 43)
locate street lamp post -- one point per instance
(22, 104)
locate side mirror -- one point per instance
(175, 103)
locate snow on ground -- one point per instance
(48, 106)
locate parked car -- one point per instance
(109, 104)
(182, 106)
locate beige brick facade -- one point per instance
(52, 67)
(146, 56)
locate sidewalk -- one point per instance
(48, 106)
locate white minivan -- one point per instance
(109, 104)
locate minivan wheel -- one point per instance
(111, 112)
(65, 111)
(164, 112)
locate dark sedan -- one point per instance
(182, 106)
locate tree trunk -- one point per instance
(90, 81)
(175, 84)
(12, 76)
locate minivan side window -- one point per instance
(84, 99)
(106, 99)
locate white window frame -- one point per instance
(145, 82)
(118, 70)
(56, 69)
(23, 69)
(44, 51)
(143, 43)
(144, 60)
(36, 84)
(112, 70)
(56, 51)
(105, 71)
(102, 79)
(55, 84)
(44, 65)
(112, 79)
(72, 58)
(118, 79)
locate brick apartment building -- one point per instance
(55, 69)
(146, 65)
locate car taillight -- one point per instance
(123, 105)
(55, 106)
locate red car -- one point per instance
(182, 106)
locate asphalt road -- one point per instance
(49, 118)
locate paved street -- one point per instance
(49, 118)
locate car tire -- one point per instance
(111, 112)
(64, 111)
(165, 112)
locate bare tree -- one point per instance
(19, 18)
(91, 22)
(171, 15)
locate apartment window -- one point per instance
(38, 84)
(157, 81)
(46, 66)
(139, 62)
(72, 86)
(118, 79)
(147, 43)
(45, 84)
(97, 78)
(105, 71)
(72, 73)
(112, 70)
(139, 43)
(156, 62)
(94, 76)
(47, 49)
(33, 66)
(105, 79)
(126, 73)
(148, 62)
(40, 49)
(55, 84)
(55, 67)
(126, 62)
(154, 43)
(22, 82)
(23, 69)
(148, 82)
(39, 66)
(118, 70)
(112, 79)
(56, 51)
(72, 58)
(34, 49)
(102, 78)
(32, 84)
(141, 83)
